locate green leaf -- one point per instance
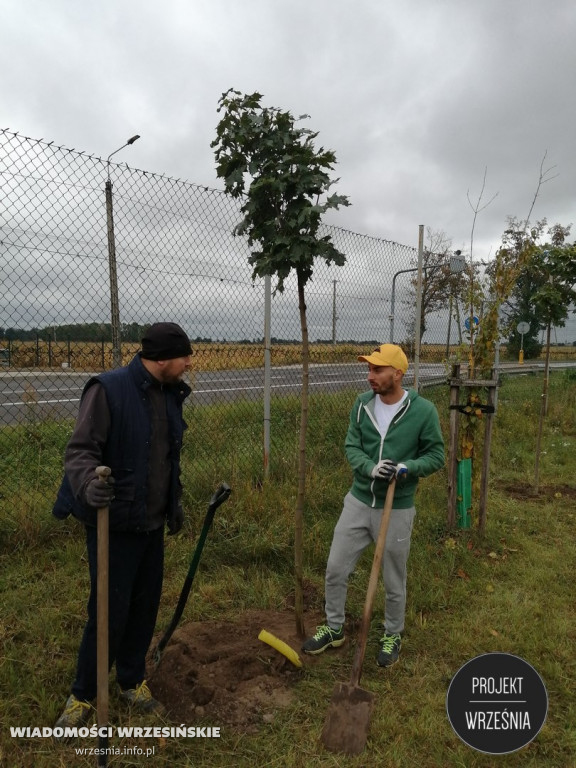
(288, 184)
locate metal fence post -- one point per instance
(334, 318)
(267, 370)
(418, 307)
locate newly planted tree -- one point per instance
(273, 165)
(514, 259)
(553, 300)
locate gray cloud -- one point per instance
(417, 99)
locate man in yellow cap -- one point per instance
(393, 432)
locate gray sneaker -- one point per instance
(76, 713)
(325, 637)
(140, 699)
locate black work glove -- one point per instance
(99, 493)
(175, 524)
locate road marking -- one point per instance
(196, 391)
(36, 389)
(42, 402)
(275, 386)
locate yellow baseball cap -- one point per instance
(387, 354)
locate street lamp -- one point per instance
(456, 264)
(130, 141)
(393, 299)
(114, 304)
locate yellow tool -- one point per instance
(280, 646)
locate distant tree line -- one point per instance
(133, 332)
(92, 332)
(77, 332)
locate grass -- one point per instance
(510, 591)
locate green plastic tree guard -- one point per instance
(464, 493)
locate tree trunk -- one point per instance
(299, 515)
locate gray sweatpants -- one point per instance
(357, 527)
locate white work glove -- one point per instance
(386, 469)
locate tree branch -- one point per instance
(541, 180)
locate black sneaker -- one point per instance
(325, 637)
(389, 650)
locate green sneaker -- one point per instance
(141, 699)
(389, 649)
(325, 637)
(76, 713)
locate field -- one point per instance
(510, 591)
(90, 356)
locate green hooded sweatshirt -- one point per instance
(413, 438)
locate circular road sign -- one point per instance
(523, 327)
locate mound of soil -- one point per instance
(220, 673)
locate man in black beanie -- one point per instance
(130, 419)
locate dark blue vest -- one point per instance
(127, 449)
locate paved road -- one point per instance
(32, 395)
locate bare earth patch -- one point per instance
(221, 673)
(526, 492)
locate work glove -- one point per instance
(99, 493)
(176, 523)
(386, 469)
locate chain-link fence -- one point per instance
(92, 252)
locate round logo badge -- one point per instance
(497, 703)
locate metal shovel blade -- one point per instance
(348, 719)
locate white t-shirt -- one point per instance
(384, 413)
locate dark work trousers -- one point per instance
(136, 568)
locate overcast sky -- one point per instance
(417, 98)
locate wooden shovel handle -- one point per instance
(372, 585)
(102, 619)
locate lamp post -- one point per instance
(393, 299)
(114, 304)
(456, 264)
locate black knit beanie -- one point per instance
(165, 341)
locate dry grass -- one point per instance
(90, 356)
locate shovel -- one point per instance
(348, 717)
(102, 579)
(219, 497)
